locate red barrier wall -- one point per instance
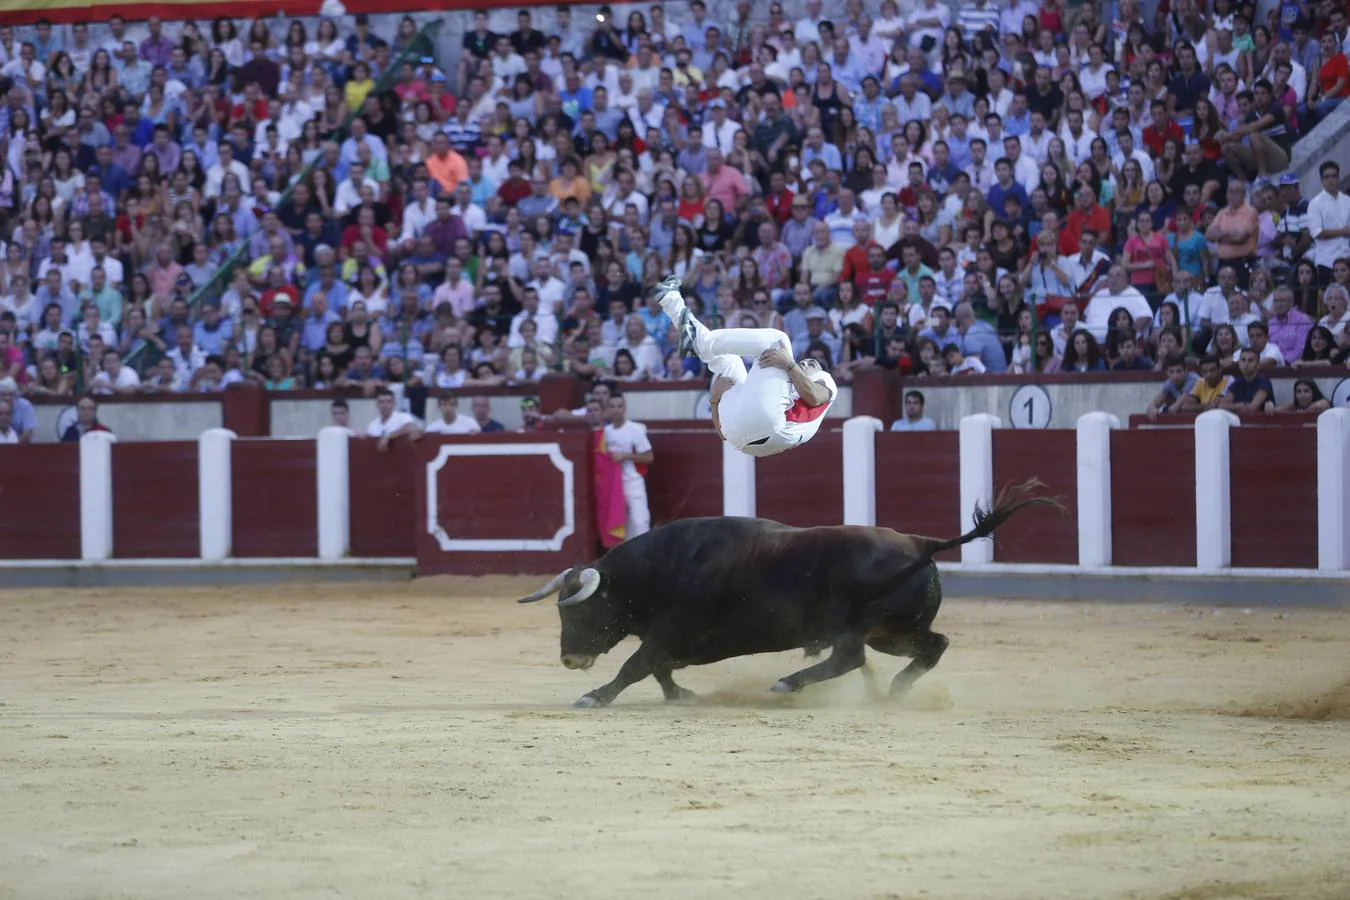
(1039, 534)
(274, 498)
(40, 500)
(516, 497)
(1274, 491)
(383, 498)
(804, 486)
(155, 500)
(1153, 498)
(919, 484)
(685, 481)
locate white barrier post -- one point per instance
(738, 482)
(1333, 490)
(1094, 488)
(977, 480)
(334, 492)
(860, 470)
(215, 493)
(96, 496)
(1213, 490)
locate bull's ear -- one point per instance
(547, 590)
(590, 583)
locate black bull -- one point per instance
(701, 590)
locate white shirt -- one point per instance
(416, 218)
(1077, 270)
(461, 425)
(349, 195)
(1324, 212)
(9, 437)
(547, 324)
(186, 365)
(1338, 326)
(126, 378)
(719, 136)
(800, 423)
(216, 174)
(630, 437)
(379, 428)
(1098, 313)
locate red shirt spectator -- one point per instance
(1162, 130)
(1087, 214)
(779, 203)
(874, 278)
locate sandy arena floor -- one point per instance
(417, 741)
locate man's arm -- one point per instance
(812, 393)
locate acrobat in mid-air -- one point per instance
(775, 406)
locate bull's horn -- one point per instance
(548, 589)
(590, 582)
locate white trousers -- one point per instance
(635, 503)
(753, 408)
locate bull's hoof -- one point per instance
(684, 696)
(588, 702)
(784, 687)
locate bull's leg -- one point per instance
(846, 656)
(926, 648)
(672, 690)
(634, 669)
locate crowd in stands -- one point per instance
(941, 190)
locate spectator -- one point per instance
(390, 423)
(1329, 222)
(1208, 391)
(23, 417)
(1307, 398)
(451, 422)
(86, 420)
(913, 418)
(339, 416)
(7, 433)
(1249, 391)
(482, 416)
(1180, 383)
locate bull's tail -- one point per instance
(1010, 500)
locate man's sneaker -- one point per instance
(688, 328)
(669, 284)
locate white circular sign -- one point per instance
(1340, 396)
(1030, 407)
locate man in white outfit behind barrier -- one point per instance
(779, 404)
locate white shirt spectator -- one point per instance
(383, 428)
(416, 218)
(547, 324)
(1097, 316)
(630, 437)
(187, 364)
(126, 378)
(216, 174)
(349, 195)
(1079, 271)
(461, 425)
(1328, 212)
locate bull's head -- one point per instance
(591, 623)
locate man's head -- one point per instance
(448, 403)
(1211, 370)
(1248, 362)
(914, 404)
(340, 413)
(384, 402)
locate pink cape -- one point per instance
(610, 513)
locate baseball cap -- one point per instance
(719, 103)
(437, 78)
(1288, 179)
(942, 305)
(529, 403)
(816, 314)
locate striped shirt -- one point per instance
(977, 17)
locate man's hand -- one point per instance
(382, 446)
(777, 358)
(620, 457)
